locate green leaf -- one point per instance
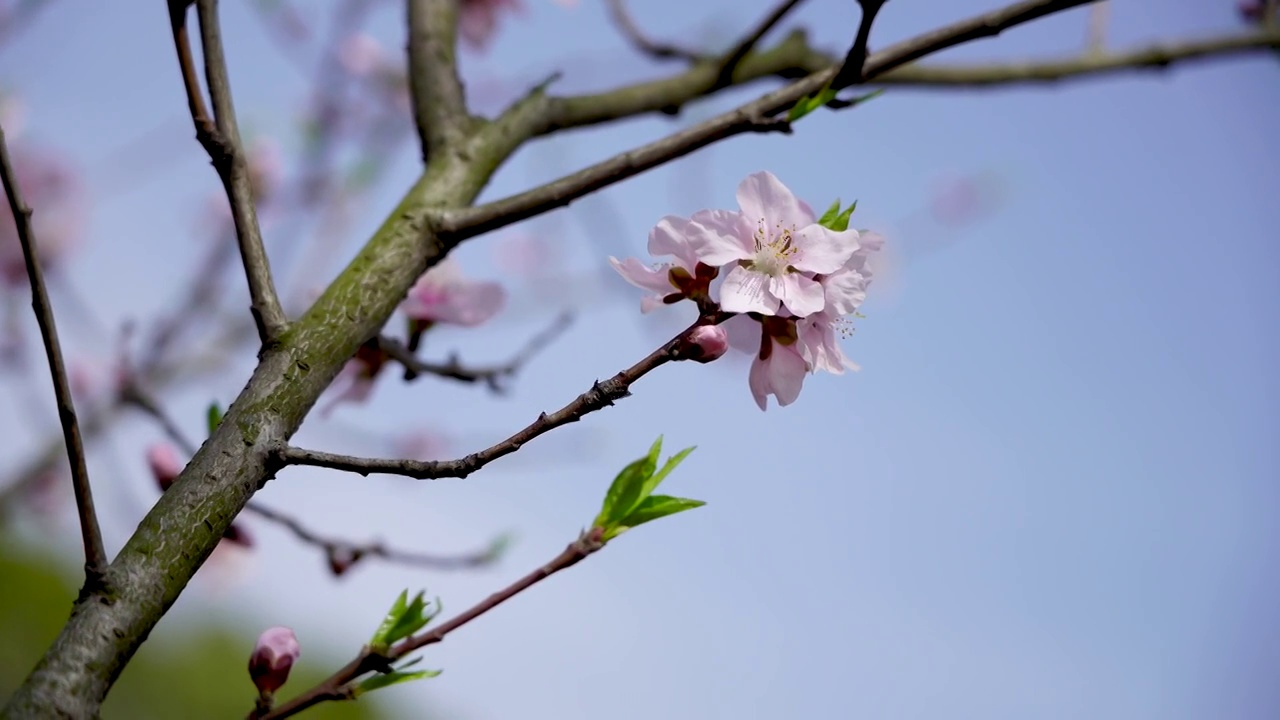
(403, 620)
(213, 416)
(836, 219)
(395, 677)
(672, 462)
(809, 103)
(831, 215)
(625, 492)
(652, 508)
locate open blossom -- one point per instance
(791, 280)
(776, 246)
(444, 295)
(273, 657)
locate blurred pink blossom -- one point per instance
(360, 54)
(478, 20)
(58, 203)
(423, 444)
(444, 295)
(165, 464)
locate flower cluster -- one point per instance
(788, 278)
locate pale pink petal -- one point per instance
(845, 291)
(721, 239)
(745, 291)
(473, 304)
(803, 296)
(763, 196)
(822, 250)
(643, 276)
(671, 237)
(782, 376)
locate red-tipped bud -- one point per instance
(165, 464)
(272, 658)
(705, 343)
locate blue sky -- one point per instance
(1049, 492)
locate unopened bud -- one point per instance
(165, 464)
(704, 343)
(272, 658)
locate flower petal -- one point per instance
(823, 250)
(803, 296)
(745, 291)
(655, 280)
(719, 237)
(763, 196)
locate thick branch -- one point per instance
(95, 557)
(220, 137)
(438, 105)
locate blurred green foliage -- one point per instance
(191, 672)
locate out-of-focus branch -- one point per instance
(492, 375)
(626, 25)
(439, 108)
(95, 556)
(601, 395)
(220, 137)
(340, 554)
(851, 72)
(341, 685)
(729, 65)
(887, 67)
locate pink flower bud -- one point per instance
(705, 343)
(272, 658)
(165, 464)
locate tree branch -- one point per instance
(851, 72)
(220, 137)
(95, 556)
(729, 65)
(341, 685)
(439, 109)
(340, 554)
(454, 370)
(886, 66)
(601, 395)
(626, 25)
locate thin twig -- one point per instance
(601, 395)
(492, 376)
(851, 72)
(752, 117)
(340, 554)
(734, 58)
(342, 686)
(95, 556)
(626, 25)
(220, 137)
